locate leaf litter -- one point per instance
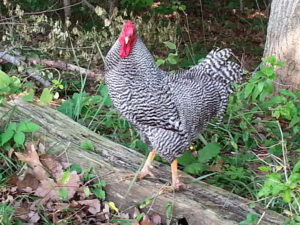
(40, 186)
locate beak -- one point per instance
(126, 40)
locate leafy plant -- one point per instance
(8, 85)
(172, 58)
(87, 144)
(261, 85)
(6, 214)
(196, 165)
(169, 7)
(97, 186)
(16, 132)
(98, 189)
(136, 4)
(251, 219)
(283, 185)
(169, 212)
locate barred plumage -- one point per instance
(169, 109)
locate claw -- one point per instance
(146, 171)
(177, 185)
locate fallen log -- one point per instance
(199, 204)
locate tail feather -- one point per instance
(219, 68)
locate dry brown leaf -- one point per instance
(29, 182)
(11, 151)
(156, 218)
(52, 165)
(124, 216)
(23, 211)
(135, 223)
(32, 159)
(42, 148)
(136, 212)
(33, 217)
(94, 205)
(49, 189)
(146, 221)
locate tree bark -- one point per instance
(67, 9)
(283, 41)
(200, 203)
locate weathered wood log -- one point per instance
(200, 203)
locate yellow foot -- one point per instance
(146, 171)
(179, 186)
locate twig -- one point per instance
(18, 61)
(93, 75)
(283, 146)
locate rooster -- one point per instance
(167, 109)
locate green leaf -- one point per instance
(187, 158)
(27, 126)
(76, 167)
(287, 195)
(264, 168)
(270, 59)
(182, 7)
(296, 168)
(6, 136)
(87, 145)
(4, 80)
(172, 58)
(86, 191)
(170, 45)
(208, 152)
(195, 168)
(234, 144)
(287, 93)
(100, 183)
(19, 137)
(160, 62)
(248, 89)
(65, 178)
(12, 126)
(274, 100)
(257, 90)
(63, 193)
(250, 220)
(99, 193)
(145, 203)
(30, 96)
(88, 176)
(140, 216)
(269, 71)
(294, 121)
(46, 96)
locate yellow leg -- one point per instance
(176, 184)
(147, 166)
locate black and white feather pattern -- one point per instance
(169, 109)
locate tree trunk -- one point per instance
(200, 203)
(283, 41)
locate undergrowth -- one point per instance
(253, 153)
